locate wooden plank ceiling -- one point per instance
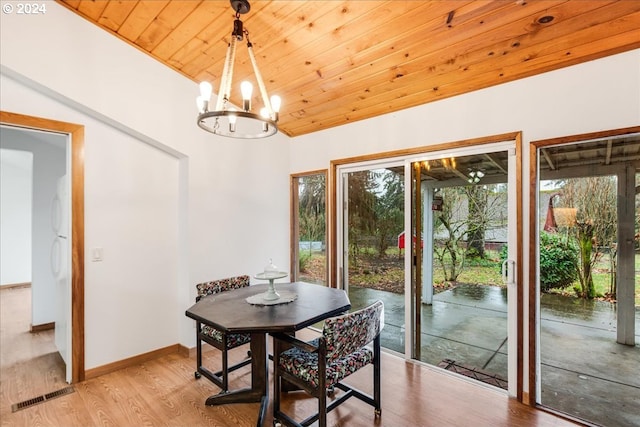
(335, 62)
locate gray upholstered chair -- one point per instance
(320, 365)
(216, 338)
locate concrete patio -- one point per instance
(584, 372)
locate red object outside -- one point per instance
(401, 241)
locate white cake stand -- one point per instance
(271, 293)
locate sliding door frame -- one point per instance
(534, 310)
(425, 150)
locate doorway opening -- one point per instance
(75, 347)
(35, 213)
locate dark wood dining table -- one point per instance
(230, 312)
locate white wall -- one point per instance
(49, 163)
(131, 214)
(15, 216)
(228, 200)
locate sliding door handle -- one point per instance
(509, 272)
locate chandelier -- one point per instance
(475, 176)
(226, 119)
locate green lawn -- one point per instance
(602, 279)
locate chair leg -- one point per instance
(198, 352)
(322, 390)
(322, 408)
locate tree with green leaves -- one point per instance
(389, 210)
(362, 187)
(594, 227)
(312, 207)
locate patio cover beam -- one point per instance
(626, 256)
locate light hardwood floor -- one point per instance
(163, 392)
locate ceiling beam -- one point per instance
(548, 158)
(607, 159)
(579, 171)
(496, 162)
(458, 173)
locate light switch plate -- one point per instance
(96, 254)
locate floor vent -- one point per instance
(36, 400)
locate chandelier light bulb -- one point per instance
(247, 89)
(232, 121)
(205, 90)
(276, 102)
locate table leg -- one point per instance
(259, 378)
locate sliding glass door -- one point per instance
(588, 280)
(433, 236)
(371, 262)
(463, 287)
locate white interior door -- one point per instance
(61, 267)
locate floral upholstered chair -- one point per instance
(320, 365)
(218, 339)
